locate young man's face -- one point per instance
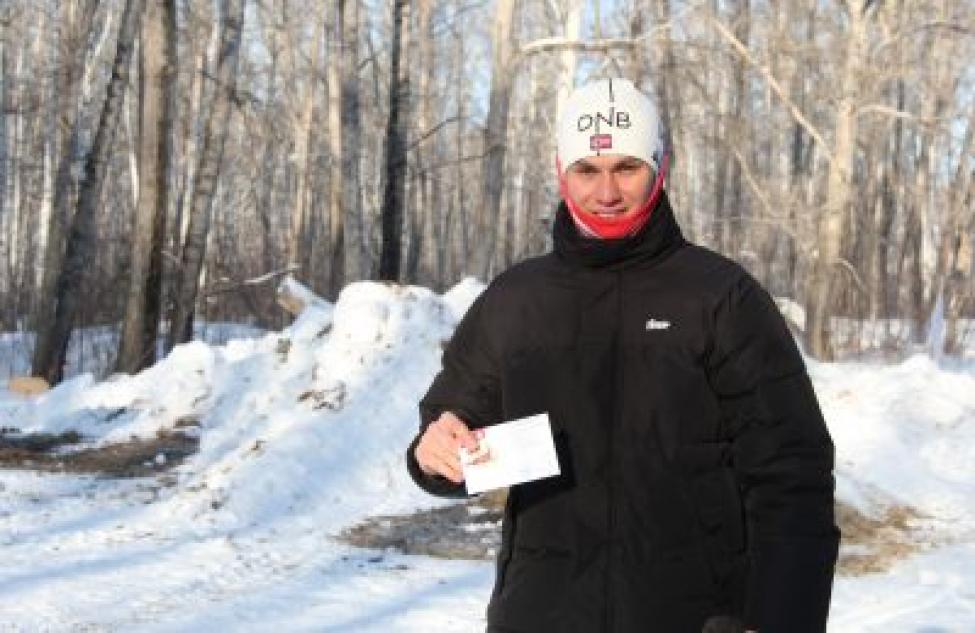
(609, 186)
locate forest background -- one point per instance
(164, 162)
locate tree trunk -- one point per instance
(957, 247)
(167, 152)
(457, 224)
(571, 25)
(739, 134)
(198, 55)
(137, 345)
(495, 135)
(421, 258)
(670, 111)
(636, 65)
(335, 70)
(355, 266)
(830, 228)
(69, 292)
(72, 37)
(207, 173)
(6, 106)
(889, 203)
(302, 125)
(394, 191)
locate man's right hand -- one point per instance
(437, 450)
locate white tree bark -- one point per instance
(572, 24)
(207, 174)
(495, 137)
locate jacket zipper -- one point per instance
(613, 466)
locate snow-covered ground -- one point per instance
(92, 349)
(302, 433)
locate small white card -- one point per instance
(517, 451)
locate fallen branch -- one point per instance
(253, 281)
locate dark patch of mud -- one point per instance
(135, 458)
(471, 530)
(872, 544)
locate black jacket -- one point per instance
(696, 467)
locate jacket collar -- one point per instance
(659, 237)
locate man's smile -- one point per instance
(609, 213)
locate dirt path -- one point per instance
(66, 453)
(471, 530)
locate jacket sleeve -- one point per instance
(467, 385)
(783, 460)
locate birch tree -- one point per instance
(54, 332)
(157, 57)
(355, 266)
(207, 174)
(495, 135)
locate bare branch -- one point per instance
(947, 26)
(750, 178)
(774, 84)
(845, 264)
(254, 281)
(879, 108)
(436, 128)
(547, 44)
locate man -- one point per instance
(696, 487)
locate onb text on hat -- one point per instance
(609, 116)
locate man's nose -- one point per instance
(608, 190)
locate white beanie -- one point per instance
(610, 116)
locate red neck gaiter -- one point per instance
(592, 225)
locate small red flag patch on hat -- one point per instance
(601, 141)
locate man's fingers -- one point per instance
(443, 444)
(437, 454)
(456, 428)
(444, 468)
(482, 457)
(438, 449)
(454, 474)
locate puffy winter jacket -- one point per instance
(696, 469)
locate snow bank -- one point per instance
(904, 433)
(311, 421)
(302, 433)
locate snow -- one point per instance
(905, 432)
(302, 434)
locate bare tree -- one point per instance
(207, 174)
(838, 172)
(157, 53)
(355, 266)
(55, 330)
(76, 26)
(394, 198)
(495, 135)
(344, 130)
(302, 89)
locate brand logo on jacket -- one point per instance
(654, 324)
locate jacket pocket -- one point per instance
(683, 575)
(533, 590)
(719, 510)
(507, 544)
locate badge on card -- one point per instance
(511, 453)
